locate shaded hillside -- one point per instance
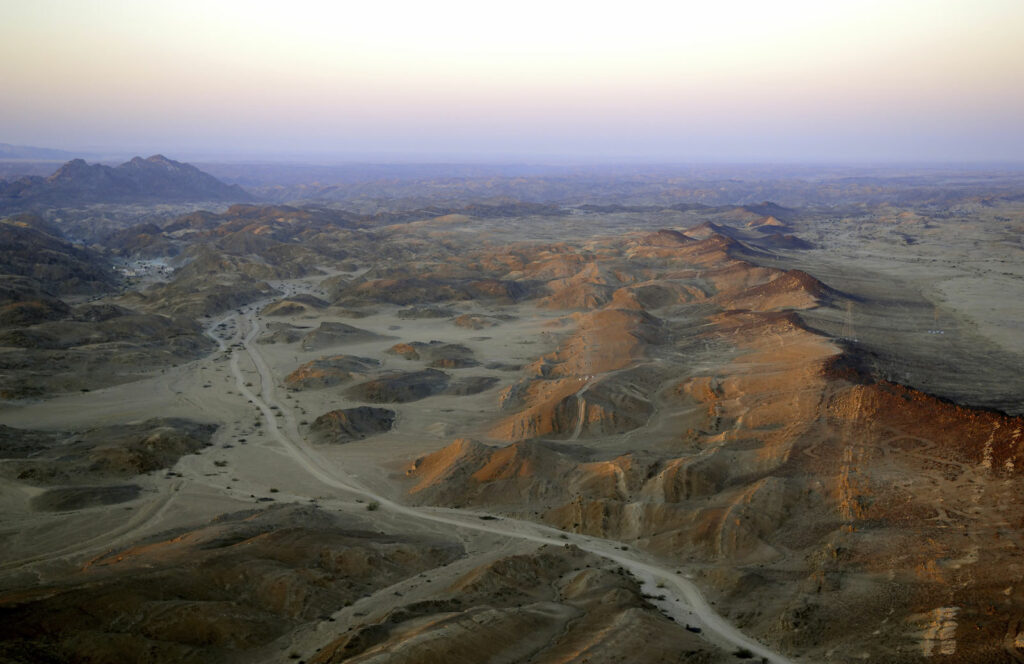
(50, 348)
(48, 345)
(553, 605)
(212, 593)
(31, 247)
(47, 458)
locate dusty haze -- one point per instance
(789, 81)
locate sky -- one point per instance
(456, 80)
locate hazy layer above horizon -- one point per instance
(454, 80)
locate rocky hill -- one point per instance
(156, 179)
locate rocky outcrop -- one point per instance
(401, 386)
(282, 333)
(348, 424)
(477, 322)
(334, 334)
(436, 354)
(330, 371)
(295, 305)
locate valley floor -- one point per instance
(678, 448)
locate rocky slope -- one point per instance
(555, 605)
(344, 425)
(330, 371)
(808, 489)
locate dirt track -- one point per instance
(683, 600)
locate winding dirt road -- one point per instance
(682, 599)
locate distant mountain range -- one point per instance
(8, 151)
(152, 180)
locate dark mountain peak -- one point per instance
(153, 179)
(72, 169)
(158, 162)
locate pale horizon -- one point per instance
(791, 82)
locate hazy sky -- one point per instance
(725, 80)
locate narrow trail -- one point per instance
(690, 605)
